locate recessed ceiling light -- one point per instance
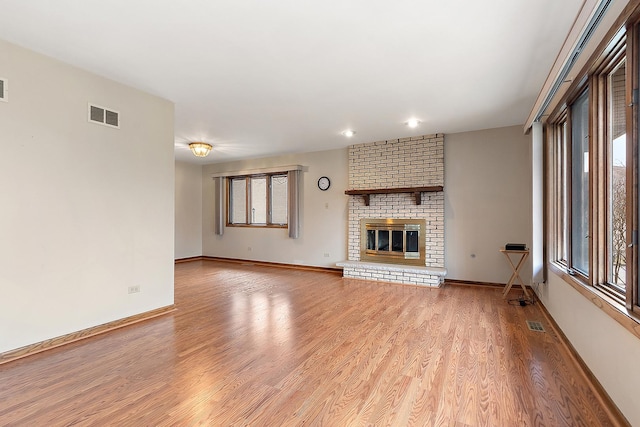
(349, 133)
(412, 123)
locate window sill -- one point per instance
(613, 308)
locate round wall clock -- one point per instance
(324, 183)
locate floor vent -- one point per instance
(535, 326)
(4, 90)
(104, 116)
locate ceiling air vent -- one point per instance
(104, 116)
(4, 90)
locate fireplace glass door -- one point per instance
(393, 240)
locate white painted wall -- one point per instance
(87, 211)
(323, 215)
(487, 188)
(188, 220)
(610, 351)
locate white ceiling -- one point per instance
(256, 78)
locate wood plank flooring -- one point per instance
(262, 346)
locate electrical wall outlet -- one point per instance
(134, 289)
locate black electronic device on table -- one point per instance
(515, 247)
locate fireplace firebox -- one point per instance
(398, 241)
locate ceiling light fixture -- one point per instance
(349, 133)
(412, 123)
(200, 149)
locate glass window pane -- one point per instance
(397, 243)
(563, 217)
(238, 202)
(383, 240)
(617, 200)
(279, 206)
(412, 241)
(371, 240)
(259, 200)
(580, 184)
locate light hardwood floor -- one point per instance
(264, 346)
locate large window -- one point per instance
(580, 185)
(593, 183)
(258, 200)
(559, 221)
(617, 178)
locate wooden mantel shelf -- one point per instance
(415, 190)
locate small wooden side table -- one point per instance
(516, 270)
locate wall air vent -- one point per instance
(104, 116)
(4, 90)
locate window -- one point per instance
(580, 185)
(592, 179)
(562, 183)
(238, 201)
(617, 178)
(570, 139)
(258, 200)
(279, 191)
(559, 221)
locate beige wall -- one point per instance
(188, 220)
(487, 202)
(87, 210)
(609, 350)
(323, 215)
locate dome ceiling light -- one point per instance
(200, 149)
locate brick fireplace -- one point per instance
(399, 179)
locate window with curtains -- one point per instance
(258, 200)
(594, 177)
